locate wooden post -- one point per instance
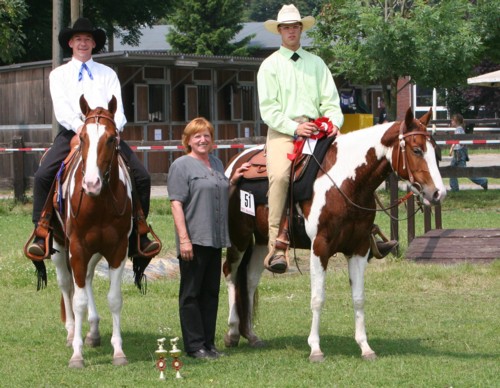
(410, 221)
(18, 166)
(437, 216)
(427, 219)
(57, 56)
(395, 209)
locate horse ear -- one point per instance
(84, 106)
(112, 105)
(426, 118)
(409, 118)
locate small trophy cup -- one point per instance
(161, 363)
(175, 353)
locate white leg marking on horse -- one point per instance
(357, 265)
(317, 300)
(93, 337)
(65, 283)
(115, 301)
(80, 303)
(232, 336)
(254, 273)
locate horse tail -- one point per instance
(63, 310)
(242, 297)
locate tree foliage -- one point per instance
(435, 43)
(206, 27)
(12, 14)
(124, 18)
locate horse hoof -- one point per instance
(369, 356)
(317, 357)
(76, 364)
(120, 361)
(231, 341)
(257, 343)
(92, 342)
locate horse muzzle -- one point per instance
(92, 187)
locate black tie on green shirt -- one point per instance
(294, 57)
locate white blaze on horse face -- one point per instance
(430, 158)
(92, 180)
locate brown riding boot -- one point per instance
(277, 259)
(380, 248)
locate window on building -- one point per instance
(423, 100)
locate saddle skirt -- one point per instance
(303, 173)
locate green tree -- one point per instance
(435, 43)
(206, 27)
(12, 14)
(124, 18)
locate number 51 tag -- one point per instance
(247, 203)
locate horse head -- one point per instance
(98, 145)
(415, 156)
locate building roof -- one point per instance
(154, 38)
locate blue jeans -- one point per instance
(459, 160)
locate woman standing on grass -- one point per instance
(199, 191)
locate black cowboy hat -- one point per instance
(82, 25)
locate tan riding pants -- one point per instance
(278, 170)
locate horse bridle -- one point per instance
(402, 151)
(414, 186)
(107, 173)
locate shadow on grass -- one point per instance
(332, 346)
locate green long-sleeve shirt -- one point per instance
(289, 89)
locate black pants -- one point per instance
(199, 297)
(51, 163)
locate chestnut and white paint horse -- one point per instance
(338, 218)
(95, 222)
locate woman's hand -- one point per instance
(239, 173)
(186, 248)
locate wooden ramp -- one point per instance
(456, 246)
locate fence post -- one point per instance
(393, 184)
(18, 169)
(410, 221)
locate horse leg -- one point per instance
(80, 301)
(93, 337)
(65, 283)
(232, 336)
(115, 301)
(318, 274)
(254, 273)
(357, 265)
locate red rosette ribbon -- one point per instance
(325, 127)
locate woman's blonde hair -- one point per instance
(195, 126)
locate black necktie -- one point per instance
(294, 57)
(80, 74)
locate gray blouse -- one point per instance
(204, 195)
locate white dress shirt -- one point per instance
(66, 90)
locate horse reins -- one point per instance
(402, 151)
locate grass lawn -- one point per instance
(431, 325)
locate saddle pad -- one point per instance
(302, 188)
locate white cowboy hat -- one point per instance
(289, 14)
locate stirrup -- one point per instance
(149, 254)
(271, 255)
(47, 247)
(373, 242)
